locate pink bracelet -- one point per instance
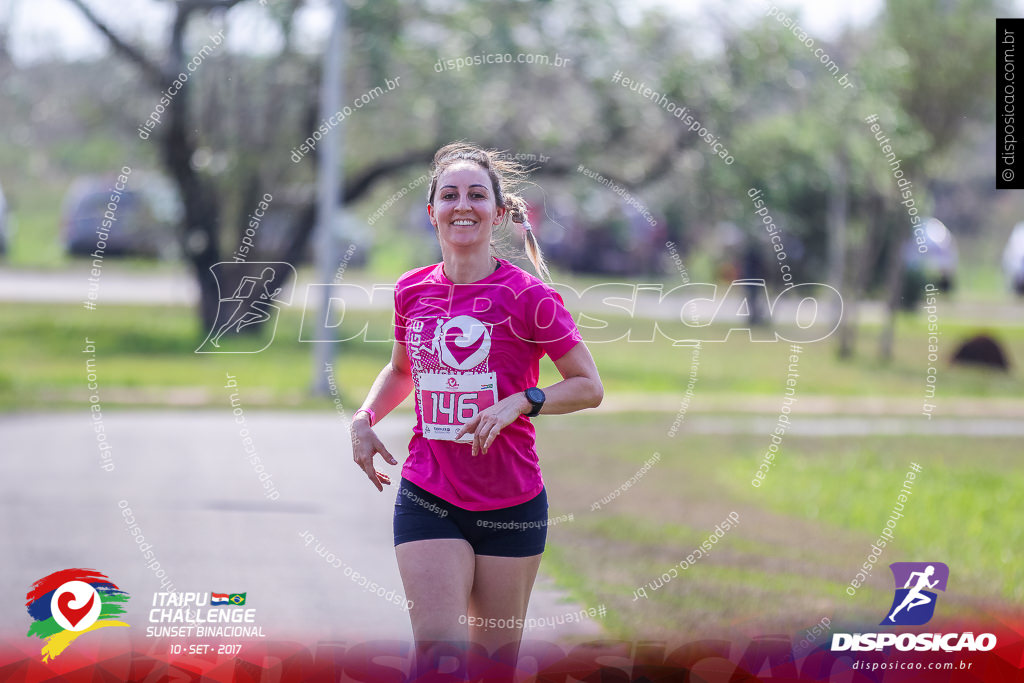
(368, 411)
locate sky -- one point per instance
(44, 29)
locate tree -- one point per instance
(178, 147)
(180, 139)
(933, 75)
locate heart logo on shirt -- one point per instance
(456, 343)
(465, 342)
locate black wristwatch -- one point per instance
(536, 398)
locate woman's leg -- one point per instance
(438, 577)
(501, 593)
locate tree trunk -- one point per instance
(860, 273)
(835, 221)
(201, 204)
(894, 289)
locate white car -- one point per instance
(1013, 259)
(938, 263)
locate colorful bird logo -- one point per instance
(68, 603)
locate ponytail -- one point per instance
(517, 209)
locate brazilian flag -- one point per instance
(237, 598)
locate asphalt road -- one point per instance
(197, 499)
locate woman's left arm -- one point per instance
(580, 388)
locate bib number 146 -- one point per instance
(447, 402)
(444, 406)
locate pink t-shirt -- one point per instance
(469, 346)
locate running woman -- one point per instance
(471, 508)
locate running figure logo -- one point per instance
(252, 302)
(914, 603)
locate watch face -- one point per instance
(534, 395)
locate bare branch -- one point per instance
(356, 186)
(359, 183)
(151, 70)
(190, 5)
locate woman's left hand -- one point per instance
(487, 424)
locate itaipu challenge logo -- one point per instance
(70, 603)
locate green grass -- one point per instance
(959, 507)
(34, 238)
(42, 365)
(801, 538)
(152, 350)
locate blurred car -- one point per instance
(141, 221)
(3, 222)
(939, 262)
(1013, 259)
(607, 237)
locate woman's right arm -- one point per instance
(390, 388)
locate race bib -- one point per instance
(447, 402)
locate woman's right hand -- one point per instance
(365, 445)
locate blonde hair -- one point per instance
(506, 174)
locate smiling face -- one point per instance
(465, 209)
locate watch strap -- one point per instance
(536, 407)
